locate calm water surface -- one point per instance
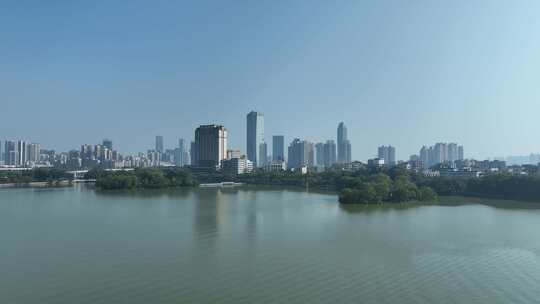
(74, 245)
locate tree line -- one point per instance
(49, 175)
(149, 178)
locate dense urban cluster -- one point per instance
(210, 158)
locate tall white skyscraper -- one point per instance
(343, 144)
(255, 136)
(22, 153)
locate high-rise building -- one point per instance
(255, 136)
(211, 145)
(180, 158)
(263, 154)
(301, 153)
(107, 143)
(22, 153)
(424, 157)
(343, 144)
(330, 157)
(278, 148)
(159, 144)
(441, 153)
(319, 155)
(388, 154)
(33, 153)
(452, 152)
(2, 152)
(10, 157)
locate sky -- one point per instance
(405, 73)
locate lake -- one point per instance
(261, 245)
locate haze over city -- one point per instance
(403, 74)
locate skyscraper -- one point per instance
(461, 155)
(301, 153)
(263, 154)
(180, 159)
(159, 144)
(388, 153)
(278, 148)
(107, 143)
(10, 157)
(343, 144)
(255, 136)
(22, 153)
(330, 153)
(211, 145)
(319, 155)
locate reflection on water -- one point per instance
(266, 245)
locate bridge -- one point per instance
(78, 175)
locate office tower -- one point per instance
(263, 154)
(159, 144)
(330, 153)
(388, 154)
(22, 153)
(33, 153)
(461, 155)
(107, 143)
(301, 153)
(343, 144)
(180, 158)
(10, 157)
(255, 136)
(211, 145)
(319, 154)
(2, 153)
(278, 148)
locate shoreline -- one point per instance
(63, 183)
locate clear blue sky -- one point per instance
(405, 73)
